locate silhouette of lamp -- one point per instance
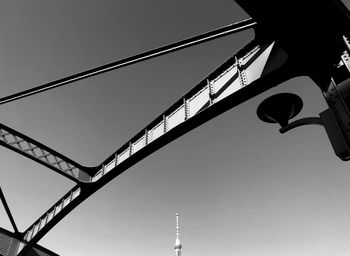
(282, 107)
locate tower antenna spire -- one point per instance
(178, 245)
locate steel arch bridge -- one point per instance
(275, 55)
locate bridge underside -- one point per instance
(9, 245)
(309, 31)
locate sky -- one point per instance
(240, 186)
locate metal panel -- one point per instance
(198, 101)
(58, 209)
(233, 87)
(42, 223)
(255, 70)
(158, 131)
(222, 80)
(76, 193)
(66, 202)
(177, 117)
(25, 236)
(20, 246)
(50, 216)
(124, 155)
(110, 166)
(36, 229)
(97, 176)
(139, 144)
(30, 234)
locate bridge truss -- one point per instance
(265, 62)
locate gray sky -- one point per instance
(241, 187)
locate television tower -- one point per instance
(178, 245)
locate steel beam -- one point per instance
(44, 155)
(265, 66)
(7, 209)
(224, 31)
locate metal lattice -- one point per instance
(40, 153)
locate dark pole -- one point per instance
(217, 33)
(7, 209)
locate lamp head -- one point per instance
(280, 108)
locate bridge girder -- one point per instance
(278, 53)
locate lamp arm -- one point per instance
(301, 122)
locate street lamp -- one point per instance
(281, 108)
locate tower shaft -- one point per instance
(178, 245)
